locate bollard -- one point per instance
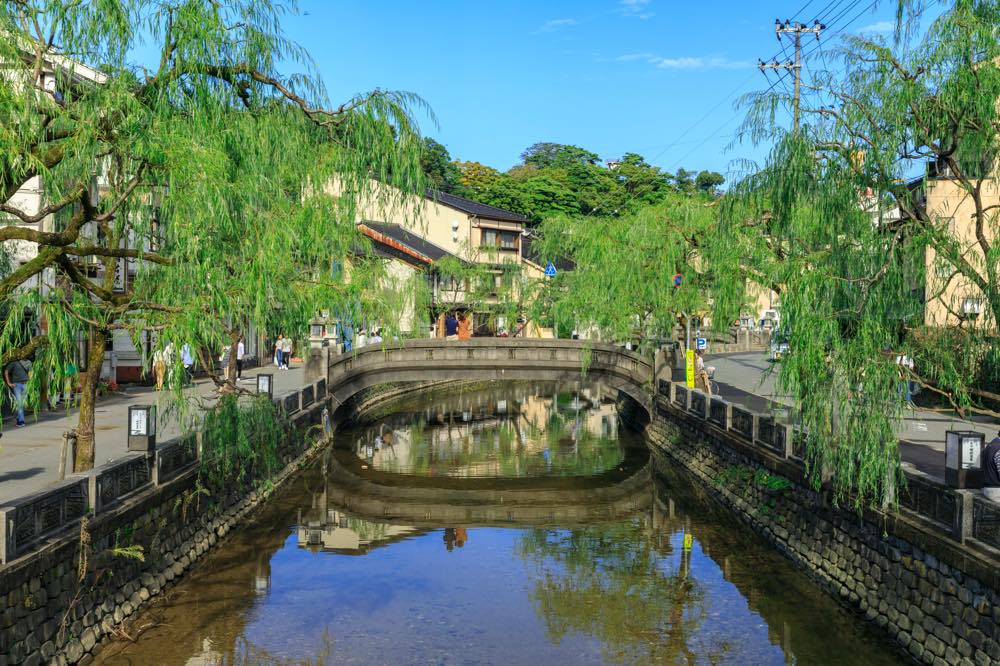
(68, 449)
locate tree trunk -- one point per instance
(85, 449)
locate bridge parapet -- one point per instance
(487, 358)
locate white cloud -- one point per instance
(685, 62)
(699, 62)
(628, 57)
(635, 8)
(555, 24)
(558, 23)
(879, 28)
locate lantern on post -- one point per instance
(964, 458)
(142, 428)
(265, 384)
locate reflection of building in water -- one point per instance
(510, 430)
(325, 528)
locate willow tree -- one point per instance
(859, 248)
(622, 285)
(204, 168)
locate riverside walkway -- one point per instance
(29, 456)
(744, 378)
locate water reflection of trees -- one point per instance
(623, 586)
(510, 432)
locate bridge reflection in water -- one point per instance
(378, 566)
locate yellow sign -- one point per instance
(690, 368)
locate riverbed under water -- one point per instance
(673, 581)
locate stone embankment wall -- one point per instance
(938, 599)
(75, 586)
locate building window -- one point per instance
(495, 238)
(972, 307)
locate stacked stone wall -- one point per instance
(916, 587)
(59, 601)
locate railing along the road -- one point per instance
(29, 522)
(962, 516)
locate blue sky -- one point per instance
(613, 76)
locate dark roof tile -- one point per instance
(474, 207)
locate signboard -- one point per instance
(971, 453)
(138, 424)
(550, 270)
(689, 362)
(701, 343)
(119, 285)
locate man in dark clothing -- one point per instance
(16, 376)
(991, 470)
(450, 327)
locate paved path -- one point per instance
(29, 457)
(744, 378)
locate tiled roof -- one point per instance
(416, 247)
(474, 207)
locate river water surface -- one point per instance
(576, 554)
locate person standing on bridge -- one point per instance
(450, 327)
(464, 329)
(991, 470)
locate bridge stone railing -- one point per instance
(487, 358)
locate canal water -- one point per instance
(576, 554)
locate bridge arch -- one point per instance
(489, 359)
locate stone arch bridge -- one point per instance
(483, 359)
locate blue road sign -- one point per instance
(550, 270)
(701, 343)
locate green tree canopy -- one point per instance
(206, 170)
(858, 249)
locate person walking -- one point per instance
(240, 351)
(16, 376)
(464, 329)
(277, 350)
(701, 379)
(362, 339)
(69, 384)
(168, 362)
(991, 470)
(188, 361)
(286, 352)
(159, 368)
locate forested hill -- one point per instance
(557, 179)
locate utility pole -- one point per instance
(796, 30)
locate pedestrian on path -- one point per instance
(16, 376)
(450, 327)
(69, 384)
(169, 353)
(240, 351)
(905, 364)
(286, 351)
(278, 346)
(701, 379)
(188, 361)
(159, 368)
(991, 470)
